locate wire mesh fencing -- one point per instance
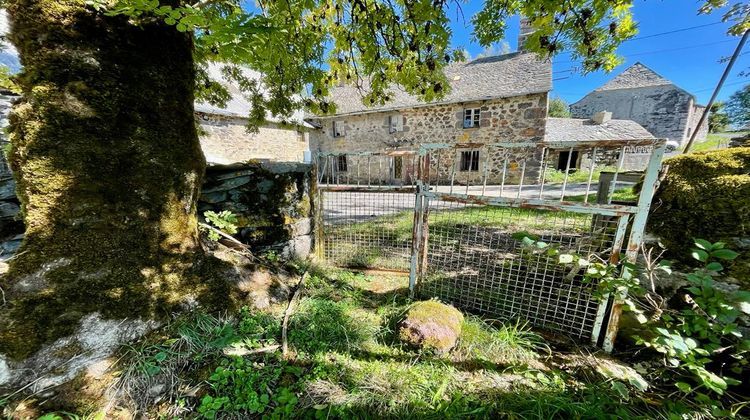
(455, 216)
(476, 259)
(367, 209)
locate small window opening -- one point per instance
(470, 161)
(341, 164)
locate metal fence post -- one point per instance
(317, 204)
(419, 231)
(637, 231)
(614, 258)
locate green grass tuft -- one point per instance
(497, 343)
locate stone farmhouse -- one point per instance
(493, 99)
(640, 94)
(225, 139)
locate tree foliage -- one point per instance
(718, 120)
(559, 108)
(738, 107)
(304, 47)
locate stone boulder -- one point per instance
(431, 325)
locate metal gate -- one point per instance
(454, 216)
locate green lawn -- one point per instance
(712, 142)
(715, 141)
(553, 176)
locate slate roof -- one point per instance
(238, 106)
(635, 76)
(500, 76)
(574, 129)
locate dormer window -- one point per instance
(471, 117)
(395, 123)
(338, 129)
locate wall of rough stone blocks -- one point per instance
(226, 140)
(272, 200)
(665, 111)
(11, 227)
(695, 116)
(513, 120)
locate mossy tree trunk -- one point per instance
(108, 166)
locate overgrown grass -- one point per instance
(346, 362)
(504, 344)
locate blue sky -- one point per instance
(688, 58)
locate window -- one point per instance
(341, 165)
(395, 123)
(470, 161)
(338, 129)
(471, 117)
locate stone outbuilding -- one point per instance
(492, 99)
(601, 128)
(640, 94)
(224, 136)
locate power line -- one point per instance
(673, 31)
(656, 52)
(739, 82)
(723, 79)
(667, 32)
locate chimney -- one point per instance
(601, 117)
(524, 32)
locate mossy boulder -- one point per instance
(706, 195)
(431, 325)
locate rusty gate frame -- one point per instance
(632, 217)
(328, 169)
(638, 213)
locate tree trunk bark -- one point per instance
(108, 166)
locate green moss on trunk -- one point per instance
(108, 166)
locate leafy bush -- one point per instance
(704, 195)
(225, 221)
(703, 338)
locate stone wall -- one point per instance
(695, 116)
(517, 119)
(665, 111)
(11, 226)
(226, 140)
(273, 203)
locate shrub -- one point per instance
(703, 338)
(705, 195)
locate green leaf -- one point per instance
(700, 255)
(724, 254)
(684, 387)
(714, 266)
(703, 244)
(161, 356)
(621, 389)
(742, 301)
